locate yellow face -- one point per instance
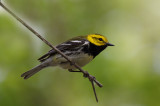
(97, 39)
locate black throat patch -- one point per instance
(93, 49)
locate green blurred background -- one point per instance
(129, 71)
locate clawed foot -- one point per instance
(90, 77)
(85, 74)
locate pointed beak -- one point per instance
(109, 44)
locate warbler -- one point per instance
(80, 50)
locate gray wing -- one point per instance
(71, 45)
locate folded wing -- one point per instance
(70, 45)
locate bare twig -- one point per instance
(91, 78)
(94, 90)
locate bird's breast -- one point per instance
(80, 59)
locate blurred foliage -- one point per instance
(129, 72)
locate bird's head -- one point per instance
(98, 40)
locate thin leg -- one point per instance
(70, 70)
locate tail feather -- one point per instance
(33, 71)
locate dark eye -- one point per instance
(100, 39)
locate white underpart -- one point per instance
(81, 60)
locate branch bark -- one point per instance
(91, 78)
